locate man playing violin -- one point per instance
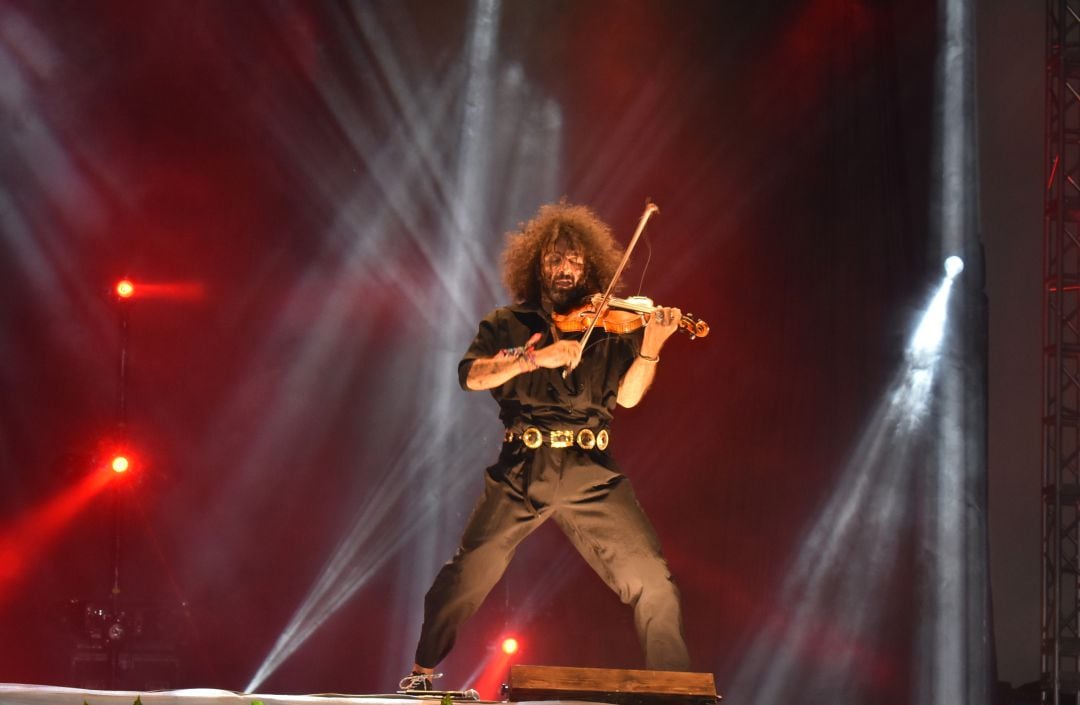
(556, 401)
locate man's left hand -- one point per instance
(663, 322)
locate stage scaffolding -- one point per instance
(1061, 356)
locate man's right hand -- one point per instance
(562, 353)
(490, 372)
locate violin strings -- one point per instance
(645, 267)
(590, 344)
(641, 284)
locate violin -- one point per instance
(621, 316)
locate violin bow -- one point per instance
(650, 209)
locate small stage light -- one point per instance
(510, 645)
(125, 289)
(120, 464)
(953, 266)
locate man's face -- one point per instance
(562, 272)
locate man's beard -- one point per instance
(563, 300)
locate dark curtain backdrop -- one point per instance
(320, 192)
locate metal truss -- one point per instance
(1061, 356)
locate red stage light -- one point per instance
(494, 669)
(25, 540)
(120, 464)
(172, 291)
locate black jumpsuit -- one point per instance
(581, 490)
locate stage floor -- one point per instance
(17, 694)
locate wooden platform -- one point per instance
(611, 685)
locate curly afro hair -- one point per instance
(521, 258)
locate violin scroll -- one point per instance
(696, 327)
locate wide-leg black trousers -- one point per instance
(595, 507)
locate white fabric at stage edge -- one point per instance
(17, 694)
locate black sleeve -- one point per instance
(485, 344)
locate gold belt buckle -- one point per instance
(561, 439)
(586, 439)
(532, 438)
(602, 439)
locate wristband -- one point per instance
(520, 354)
(646, 358)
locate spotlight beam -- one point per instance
(954, 659)
(25, 540)
(405, 175)
(367, 545)
(849, 554)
